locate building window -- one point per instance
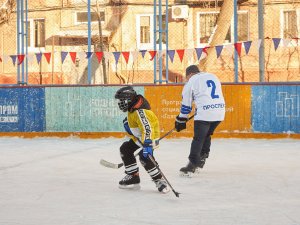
(207, 24)
(289, 24)
(82, 17)
(145, 31)
(35, 33)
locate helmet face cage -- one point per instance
(125, 95)
(123, 104)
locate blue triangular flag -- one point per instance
(171, 54)
(117, 56)
(13, 57)
(63, 56)
(199, 52)
(247, 45)
(219, 49)
(276, 42)
(89, 54)
(38, 57)
(143, 52)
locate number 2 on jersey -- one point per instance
(212, 84)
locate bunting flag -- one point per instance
(219, 49)
(198, 52)
(13, 57)
(107, 56)
(73, 56)
(189, 53)
(276, 42)
(229, 48)
(134, 55)
(171, 54)
(238, 48)
(20, 59)
(88, 54)
(180, 53)
(152, 54)
(47, 56)
(258, 43)
(143, 52)
(126, 56)
(99, 56)
(286, 42)
(117, 56)
(81, 55)
(38, 57)
(63, 56)
(247, 46)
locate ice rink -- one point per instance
(53, 181)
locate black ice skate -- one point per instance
(130, 181)
(201, 164)
(162, 186)
(188, 170)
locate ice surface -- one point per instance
(52, 181)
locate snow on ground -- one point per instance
(53, 181)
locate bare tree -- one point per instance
(6, 10)
(221, 29)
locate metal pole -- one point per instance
(235, 25)
(18, 39)
(22, 38)
(167, 42)
(160, 41)
(26, 41)
(89, 41)
(262, 38)
(154, 41)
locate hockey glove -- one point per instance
(126, 126)
(180, 123)
(147, 148)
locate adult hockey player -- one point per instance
(204, 89)
(143, 127)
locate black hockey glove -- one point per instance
(180, 123)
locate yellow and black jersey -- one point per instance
(142, 122)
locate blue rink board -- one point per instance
(276, 109)
(22, 109)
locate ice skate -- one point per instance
(130, 181)
(201, 164)
(188, 170)
(162, 186)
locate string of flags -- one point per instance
(181, 53)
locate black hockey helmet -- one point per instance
(125, 95)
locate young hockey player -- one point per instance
(205, 90)
(143, 127)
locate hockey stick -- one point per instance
(115, 165)
(157, 167)
(105, 163)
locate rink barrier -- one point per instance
(252, 110)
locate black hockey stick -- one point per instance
(105, 163)
(157, 167)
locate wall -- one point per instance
(249, 109)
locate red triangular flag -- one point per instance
(152, 53)
(180, 53)
(47, 56)
(73, 56)
(126, 56)
(99, 56)
(20, 59)
(238, 48)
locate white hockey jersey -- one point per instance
(206, 92)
